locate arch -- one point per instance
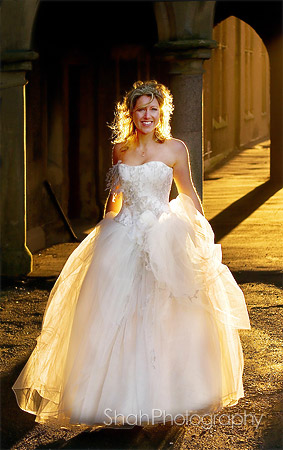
(260, 16)
(236, 92)
(112, 59)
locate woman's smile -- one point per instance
(146, 115)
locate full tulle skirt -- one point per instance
(140, 327)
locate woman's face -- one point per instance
(146, 118)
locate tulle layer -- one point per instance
(140, 324)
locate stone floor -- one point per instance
(246, 213)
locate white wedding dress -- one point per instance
(143, 320)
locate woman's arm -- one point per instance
(182, 174)
(114, 201)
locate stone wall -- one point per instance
(236, 96)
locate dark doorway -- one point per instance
(93, 52)
(74, 204)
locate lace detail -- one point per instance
(145, 190)
(112, 179)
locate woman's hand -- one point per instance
(182, 173)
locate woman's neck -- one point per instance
(144, 140)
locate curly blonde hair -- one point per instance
(123, 127)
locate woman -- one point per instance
(142, 324)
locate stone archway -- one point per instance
(266, 19)
(236, 92)
(184, 30)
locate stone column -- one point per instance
(185, 60)
(275, 51)
(16, 258)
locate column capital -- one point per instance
(16, 60)
(182, 45)
(186, 56)
(15, 64)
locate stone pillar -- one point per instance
(185, 60)
(275, 51)
(16, 258)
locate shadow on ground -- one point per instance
(230, 217)
(274, 277)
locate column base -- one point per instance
(16, 262)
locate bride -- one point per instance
(141, 327)
(142, 133)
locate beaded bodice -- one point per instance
(145, 188)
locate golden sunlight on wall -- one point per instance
(235, 92)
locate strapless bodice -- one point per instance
(145, 187)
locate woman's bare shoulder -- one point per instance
(176, 144)
(178, 148)
(117, 151)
